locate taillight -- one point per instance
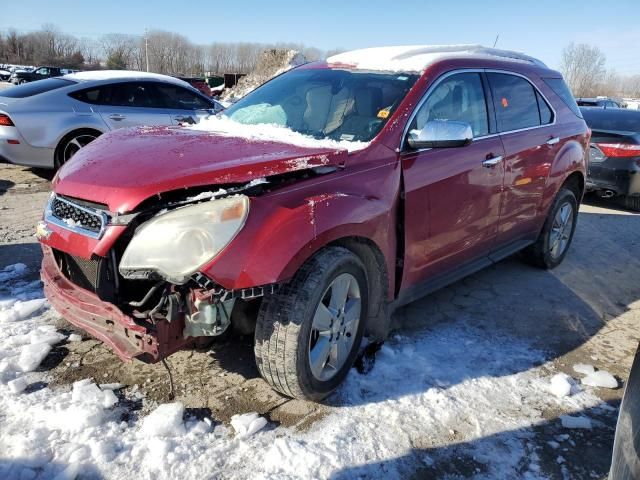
(5, 121)
(619, 149)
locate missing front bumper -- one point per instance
(106, 322)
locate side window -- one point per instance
(95, 96)
(515, 101)
(546, 115)
(560, 88)
(141, 95)
(42, 71)
(173, 96)
(459, 97)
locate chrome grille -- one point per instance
(67, 214)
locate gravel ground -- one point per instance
(585, 311)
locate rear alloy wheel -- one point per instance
(553, 242)
(71, 144)
(308, 334)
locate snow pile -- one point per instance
(601, 379)
(272, 62)
(224, 126)
(247, 424)
(416, 58)
(579, 421)
(583, 368)
(12, 271)
(593, 378)
(164, 421)
(24, 343)
(560, 385)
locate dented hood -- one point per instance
(125, 167)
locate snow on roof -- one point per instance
(416, 58)
(122, 74)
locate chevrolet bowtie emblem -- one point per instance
(42, 231)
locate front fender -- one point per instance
(284, 229)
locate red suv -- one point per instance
(310, 209)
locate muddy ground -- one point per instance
(585, 311)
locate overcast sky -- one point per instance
(537, 27)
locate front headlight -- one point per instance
(177, 243)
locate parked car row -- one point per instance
(601, 102)
(19, 77)
(44, 123)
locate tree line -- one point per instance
(583, 66)
(584, 69)
(161, 51)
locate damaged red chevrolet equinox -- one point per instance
(311, 208)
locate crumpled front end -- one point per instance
(127, 337)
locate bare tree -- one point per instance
(119, 50)
(583, 68)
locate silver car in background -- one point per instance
(44, 123)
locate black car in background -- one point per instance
(39, 73)
(598, 102)
(625, 464)
(614, 156)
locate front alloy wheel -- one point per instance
(308, 334)
(334, 327)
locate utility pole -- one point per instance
(146, 47)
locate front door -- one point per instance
(132, 104)
(452, 195)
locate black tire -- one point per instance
(539, 254)
(632, 202)
(283, 336)
(82, 134)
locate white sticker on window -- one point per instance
(346, 136)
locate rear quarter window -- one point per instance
(90, 95)
(35, 88)
(560, 88)
(516, 102)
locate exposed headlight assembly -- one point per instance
(176, 244)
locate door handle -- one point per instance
(183, 119)
(117, 117)
(492, 162)
(553, 141)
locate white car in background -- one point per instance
(44, 123)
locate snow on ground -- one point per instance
(453, 390)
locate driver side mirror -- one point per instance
(441, 134)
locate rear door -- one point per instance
(530, 137)
(452, 195)
(132, 104)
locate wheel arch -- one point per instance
(377, 326)
(576, 183)
(69, 134)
